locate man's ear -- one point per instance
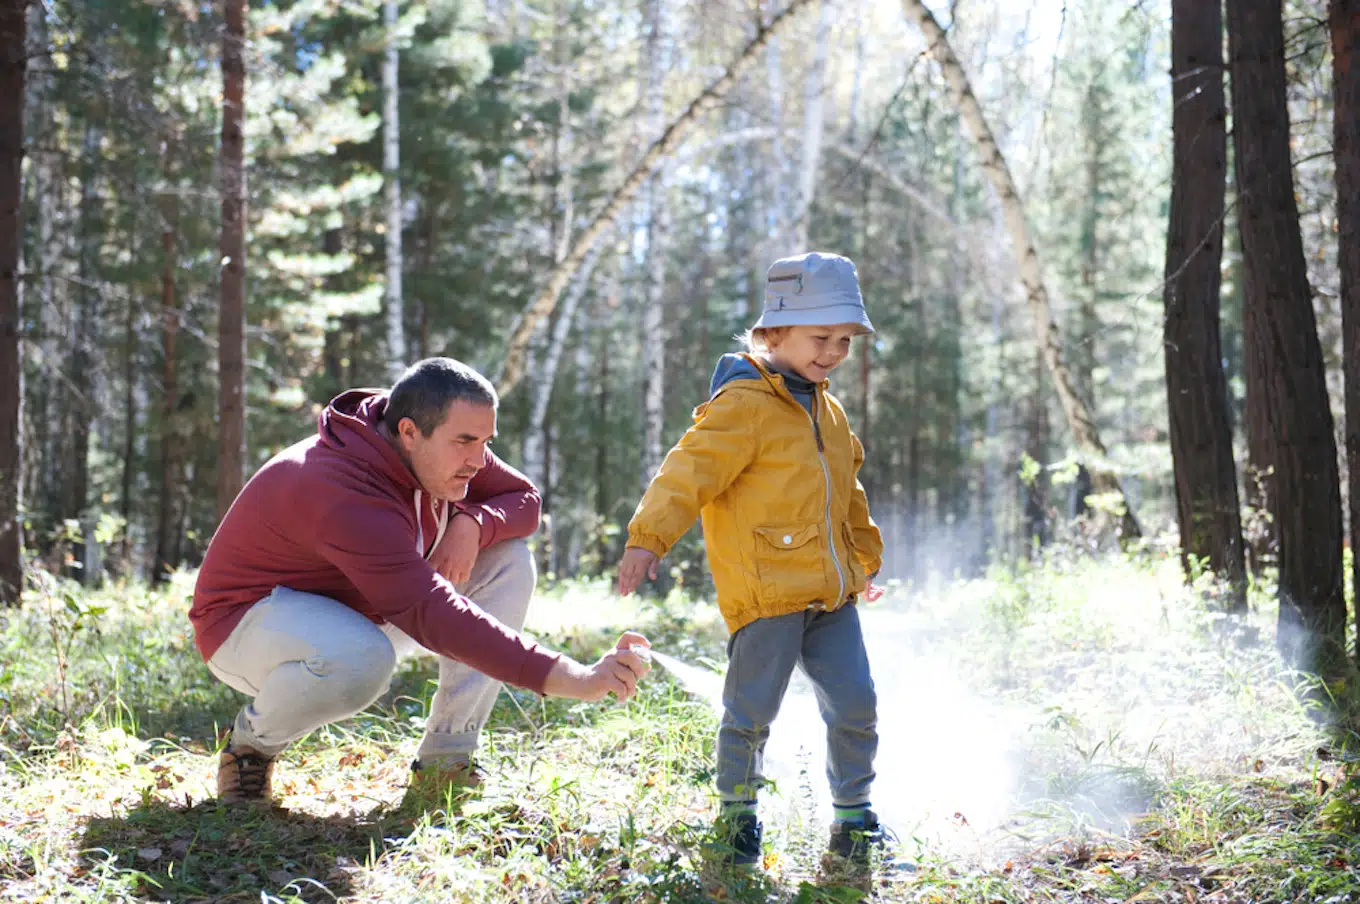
(407, 431)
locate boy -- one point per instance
(770, 464)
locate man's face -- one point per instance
(449, 457)
(814, 352)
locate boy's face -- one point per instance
(813, 352)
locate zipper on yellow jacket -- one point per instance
(826, 476)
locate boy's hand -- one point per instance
(636, 564)
(872, 592)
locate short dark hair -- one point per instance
(427, 389)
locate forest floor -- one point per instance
(1078, 731)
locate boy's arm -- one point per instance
(863, 530)
(707, 459)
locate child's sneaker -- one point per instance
(852, 842)
(737, 838)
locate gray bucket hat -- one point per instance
(813, 289)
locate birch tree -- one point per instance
(396, 337)
(814, 126)
(672, 138)
(657, 215)
(1080, 419)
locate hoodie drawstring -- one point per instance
(441, 514)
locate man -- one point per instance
(393, 527)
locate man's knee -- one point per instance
(510, 583)
(356, 673)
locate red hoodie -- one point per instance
(336, 515)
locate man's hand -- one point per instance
(617, 672)
(456, 552)
(636, 564)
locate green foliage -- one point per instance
(613, 801)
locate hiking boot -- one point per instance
(436, 785)
(852, 843)
(244, 775)
(461, 774)
(737, 838)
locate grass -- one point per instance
(1073, 731)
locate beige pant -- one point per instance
(308, 660)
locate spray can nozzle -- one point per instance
(643, 653)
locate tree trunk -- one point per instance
(1284, 352)
(1345, 25)
(333, 342)
(13, 62)
(814, 123)
(84, 342)
(657, 215)
(50, 314)
(1087, 327)
(396, 335)
(170, 326)
(130, 372)
(1035, 507)
(535, 436)
(1079, 416)
(777, 220)
(675, 134)
(231, 322)
(1197, 394)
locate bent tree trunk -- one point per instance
(512, 369)
(1197, 393)
(1080, 419)
(13, 60)
(1283, 351)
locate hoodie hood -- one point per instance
(351, 421)
(730, 369)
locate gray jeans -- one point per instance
(829, 648)
(308, 660)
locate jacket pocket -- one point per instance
(791, 563)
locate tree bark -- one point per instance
(130, 372)
(546, 299)
(1080, 419)
(13, 63)
(170, 327)
(535, 436)
(1345, 25)
(657, 213)
(49, 315)
(1036, 528)
(1207, 509)
(231, 322)
(396, 334)
(84, 342)
(1284, 352)
(814, 126)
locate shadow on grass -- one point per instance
(215, 852)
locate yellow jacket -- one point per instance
(786, 522)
